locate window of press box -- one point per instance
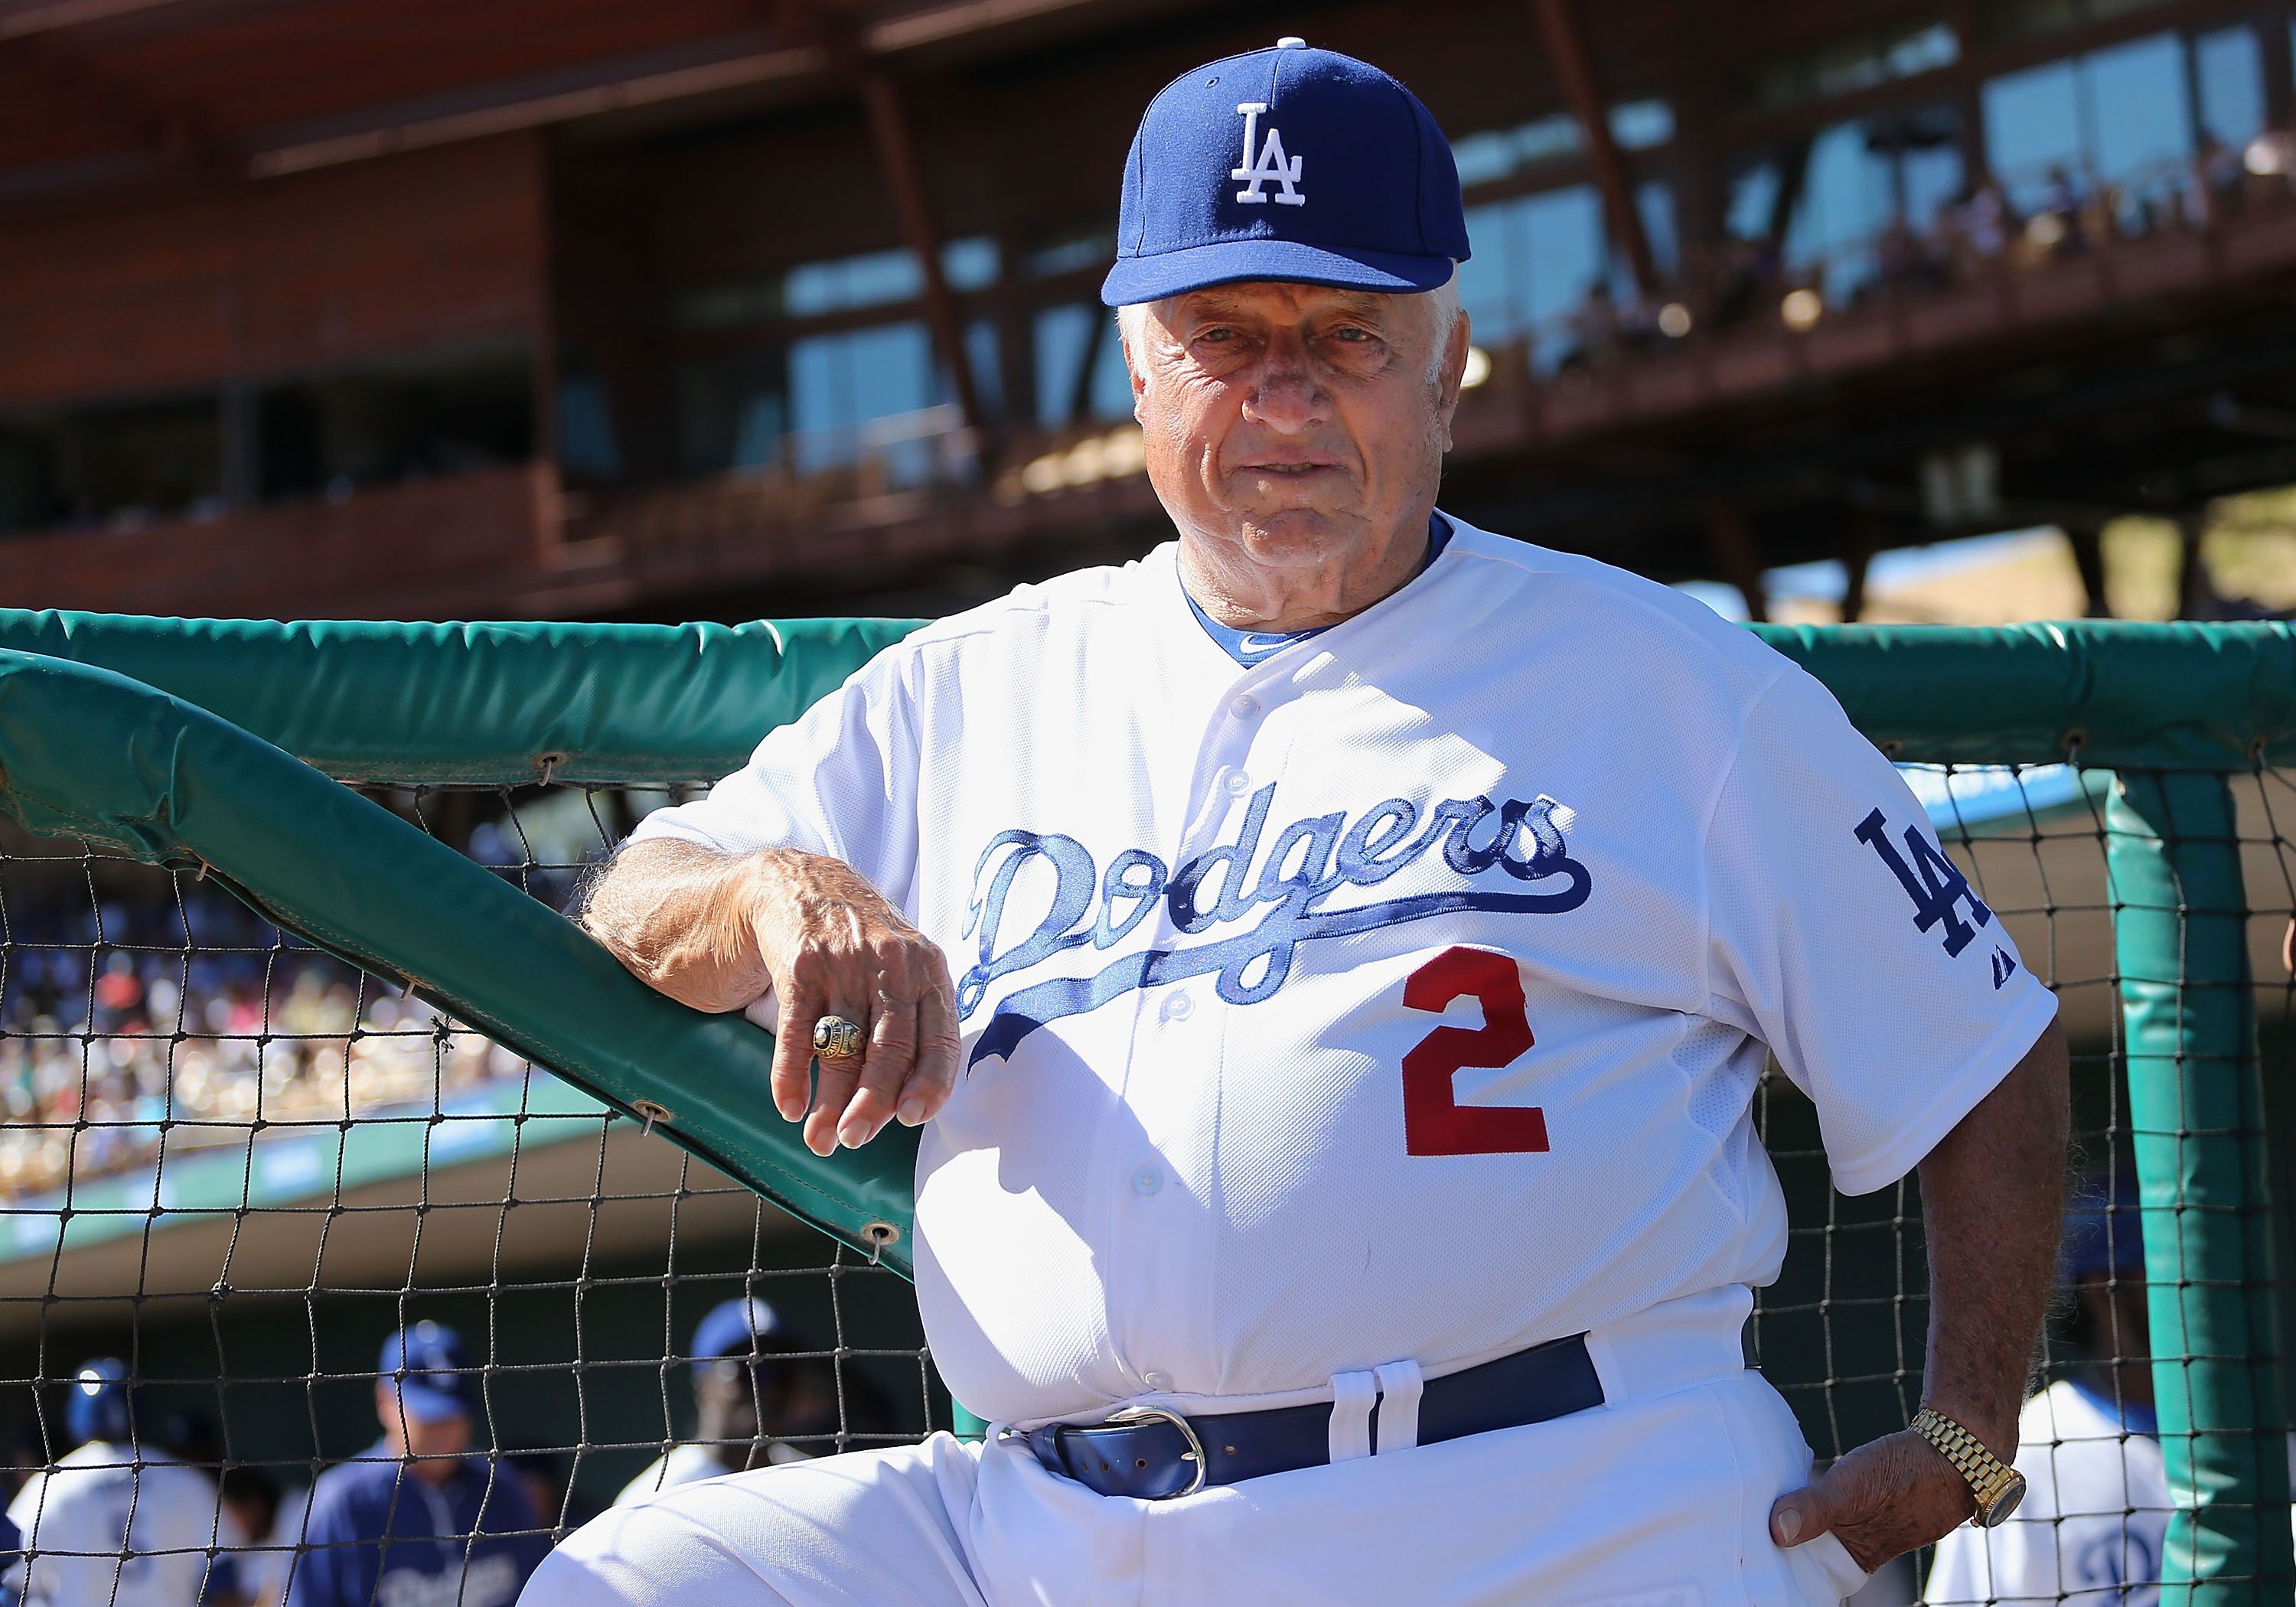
(2130, 116)
(1860, 183)
(1493, 155)
(384, 422)
(113, 464)
(1545, 273)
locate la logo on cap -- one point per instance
(1271, 168)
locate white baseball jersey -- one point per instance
(123, 1525)
(1399, 996)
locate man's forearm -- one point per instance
(1992, 1199)
(681, 917)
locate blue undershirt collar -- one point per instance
(1252, 647)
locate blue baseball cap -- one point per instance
(736, 1328)
(102, 1405)
(1291, 163)
(426, 1364)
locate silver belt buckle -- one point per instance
(1194, 1453)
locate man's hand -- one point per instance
(716, 931)
(1992, 1203)
(833, 947)
(1880, 1501)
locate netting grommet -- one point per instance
(548, 763)
(880, 1236)
(651, 1111)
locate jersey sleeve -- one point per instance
(839, 781)
(1840, 934)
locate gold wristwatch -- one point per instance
(1997, 1486)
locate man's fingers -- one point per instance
(832, 1091)
(792, 1079)
(892, 1046)
(937, 1043)
(1800, 1517)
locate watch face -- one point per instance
(1996, 1514)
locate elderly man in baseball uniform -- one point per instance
(1334, 957)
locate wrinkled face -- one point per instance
(1293, 422)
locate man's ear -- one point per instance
(1455, 371)
(1132, 372)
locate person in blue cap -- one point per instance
(416, 1519)
(117, 1520)
(750, 1401)
(1331, 960)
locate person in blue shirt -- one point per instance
(416, 1521)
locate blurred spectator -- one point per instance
(2218, 177)
(751, 1399)
(267, 1525)
(89, 1031)
(1990, 221)
(1594, 328)
(2056, 228)
(415, 1518)
(544, 1472)
(117, 1520)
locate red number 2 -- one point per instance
(1433, 1122)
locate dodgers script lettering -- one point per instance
(1292, 887)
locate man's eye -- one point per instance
(1353, 332)
(1219, 332)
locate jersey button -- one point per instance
(1177, 1007)
(1147, 1180)
(1157, 1381)
(1244, 707)
(1237, 784)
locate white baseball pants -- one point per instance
(1656, 1502)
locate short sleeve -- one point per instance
(1841, 935)
(840, 781)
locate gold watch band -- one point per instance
(1990, 1478)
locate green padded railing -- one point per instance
(195, 767)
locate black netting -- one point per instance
(238, 1165)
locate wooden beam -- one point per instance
(1868, 534)
(1080, 395)
(905, 179)
(2195, 593)
(1731, 542)
(2086, 538)
(70, 13)
(1582, 86)
(2271, 24)
(178, 135)
(1793, 170)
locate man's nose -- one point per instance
(1288, 396)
